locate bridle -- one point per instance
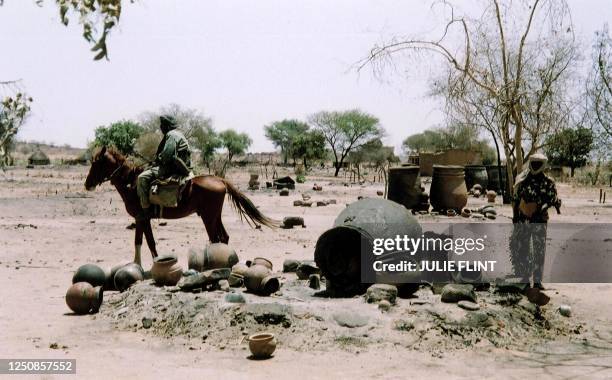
(113, 174)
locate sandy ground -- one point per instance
(49, 226)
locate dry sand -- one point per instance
(49, 226)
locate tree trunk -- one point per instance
(572, 169)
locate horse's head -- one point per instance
(104, 164)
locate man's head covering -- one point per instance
(167, 123)
(537, 163)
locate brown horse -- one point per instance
(203, 195)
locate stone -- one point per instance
(384, 306)
(314, 281)
(527, 306)
(565, 310)
(147, 322)
(307, 204)
(237, 297)
(283, 193)
(380, 193)
(306, 268)
(292, 221)
(322, 203)
(380, 292)
(290, 265)
(477, 216)
(332, 201)
(453, 293)
(224, 285)
(511, 285)
(491, 216)
(467, 305)
(537, 297)
(203, 279)
(350, 319)
(477, 319)
(298, 203)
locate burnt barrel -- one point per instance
(404, 186)
(476, 174)
(448, 189)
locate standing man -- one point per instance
(173, 157)
(534, 192)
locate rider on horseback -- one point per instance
(173, 157)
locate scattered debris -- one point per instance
(467, 305)
(314, 281)
(453, 293)
(379, 292)
(306, 268)
(290, 265)
(565, 310)
(384, 306)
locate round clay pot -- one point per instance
(262, 261)
(91, 274)
(258, 280)
(240, 269)
(128, 275)
(466, 213)
(166, 270)
(491, 196)
(448, 189)
(82, 298)
(404, 186)
(218, 255)
(109, 283)
(196, 259)
(262, 345)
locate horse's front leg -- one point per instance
(138, 243)
(148, 233)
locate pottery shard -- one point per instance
(306, 268)
(270, 313)
(290, 265)
(453, 293)
(379, 292)
(203, 279)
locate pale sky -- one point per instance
(244, 63)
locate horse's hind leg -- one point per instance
(212, 229)
(224, 236)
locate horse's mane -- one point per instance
(134, 169)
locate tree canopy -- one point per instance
(122, 135)
(345, 131)
(308, 146)
(570, 147)
(283, 134)
(234, 142)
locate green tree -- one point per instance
(283, 133)
(234, 142)
(13, 112)
(346, 131)
(122, 135)
(570, 147)
(308, 146)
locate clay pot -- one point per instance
(466, 213)
(235, 280)
(491, 196)
(262, 345)
(109, 283)
(91, 274)
(240, 269)
(259, 280)
(127, 275)
(166, 270)
(448, 189)
(82, 298)
(262, 261)
(214, 256)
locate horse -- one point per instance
(203, 195)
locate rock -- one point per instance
(203, 279)
(322, 203)
(306, 197)
(332, 201)
(314, 281)
(511, 285)
(307, 268)
(384, 306)
(491, 216)
(467, 305)
(565, 310)
(317, 187)
(307, 204)
(147, 322)
(190, 272)
(477, 319)
(453, 293)
(235, 298)
(270, 313)
(290, 265)
(477, 216)
(380, 193)
(528, 306)
(283, 193)
(350, 319)
(292, 221)
(536, 297)
(380, 292)
(223, 285)
(298, 203)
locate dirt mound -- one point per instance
(304, 321)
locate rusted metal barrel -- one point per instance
(476, 174)
(338, 252)
(448, 189)
(404, 186)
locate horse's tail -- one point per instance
(247, 209)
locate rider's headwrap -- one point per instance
(536, 164)
(167, 123)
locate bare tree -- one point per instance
(599, 85)
(14, 110)
(510, 75)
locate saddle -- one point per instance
(166, 192)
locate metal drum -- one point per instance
(404, 186)
(448, 189)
